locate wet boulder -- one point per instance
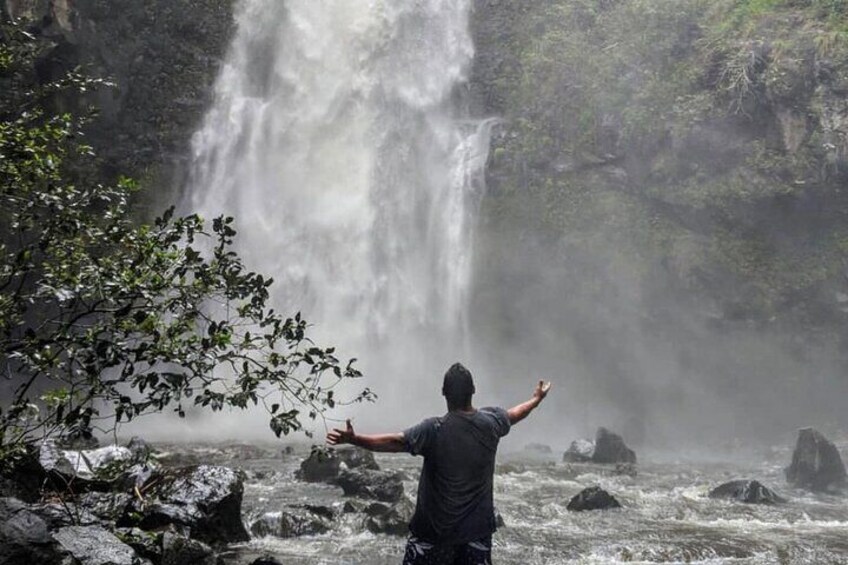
(322, 466)
(580, 451)
(94, 545)
(290, 523)
(266, 561)
(24, 536)
(179, 550)
(357, 458)
(751, 492)
(384, 486)
(610, 448)
(391, 519)
(205, 499)
(107, 506)
(95, 469)
(816, 463)
(592, 498)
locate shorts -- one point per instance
(420, 552)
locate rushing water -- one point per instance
(666, 515)
(338, 141)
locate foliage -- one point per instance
(693, 143)
(102, 320)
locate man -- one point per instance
(454, 517)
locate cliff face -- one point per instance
(162, 57)
(694, 153)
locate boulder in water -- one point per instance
(751, 492)
(610, 448)
(385, 486)
(289, 524)
(322, 466)
(179, 550)
(93, 545)
(266, 561)
(205, 499)
(357, 458)
(592, 498)
(816, 463)
(580, 451)
(391, 519)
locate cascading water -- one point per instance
(336, 141)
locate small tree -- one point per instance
(103, 320)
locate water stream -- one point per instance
(337, 139)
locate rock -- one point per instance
(610, 448)
(752, 492)
(24, 537)
(289, 524)
(179, 550)
(266, 561)
(206, 499)
(357, 458)
(385, 486)
(390, 519)
(499, 520)
(816, 463)
(580, 451)
(93, 545)
(318, 509)
(107, 506)
(145, 544)
(322, 466)
(592, 498)
(58, 515)
(353, 506)
(95, 469)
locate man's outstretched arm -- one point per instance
(518, 413)
(386, 443)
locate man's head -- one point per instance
(458, 386)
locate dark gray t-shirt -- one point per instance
(455, 489)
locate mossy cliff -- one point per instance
(688, 156)
(162, 57)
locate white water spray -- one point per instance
(336, 141)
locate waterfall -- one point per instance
(337, 141)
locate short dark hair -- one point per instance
(458, 386)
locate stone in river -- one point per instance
(94, 545)
(610, 448)
(751, 492)
(289, 523)
(385, 486)
(580, 451)
(816, 463)
(205, 499)
(592, 498)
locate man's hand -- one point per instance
(341, 437)
(542, 390)
(518, 413)
(387, 443)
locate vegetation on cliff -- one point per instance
(701, 146)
